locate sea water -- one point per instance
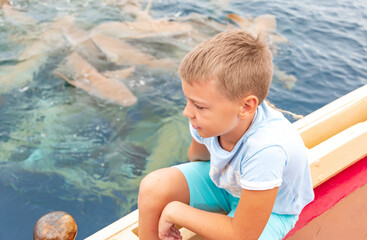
(63, 148)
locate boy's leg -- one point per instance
(156, 190)
(204, 194)
(278, 226)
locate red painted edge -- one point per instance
(332, 191)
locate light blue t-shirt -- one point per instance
(270, 154)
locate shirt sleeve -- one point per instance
(263, 170)
(195, 135)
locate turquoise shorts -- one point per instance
(205, 195)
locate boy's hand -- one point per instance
(171, 234)
(166, 229)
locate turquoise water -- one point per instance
(62, 148)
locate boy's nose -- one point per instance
(187, 111)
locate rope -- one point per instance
(294, 115)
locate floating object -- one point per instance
(55, 226)
(336, 136)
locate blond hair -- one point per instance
(239, 62)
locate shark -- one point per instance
(266, 25)
(120, 52)
(97, 47)
(32, 57)
(55, 36)
(81, 74)
(143, 28)
(288, 80)
(263, 24)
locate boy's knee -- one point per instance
(154, 184)
(149, 183)
(160, 185)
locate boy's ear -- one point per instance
(248, 106)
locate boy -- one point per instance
(258, 171)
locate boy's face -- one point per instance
(211, 113)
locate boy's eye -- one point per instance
(198, 107)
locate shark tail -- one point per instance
(240, 21)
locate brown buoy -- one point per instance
(56, 226)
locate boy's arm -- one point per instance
(198, 152)
(250, 219)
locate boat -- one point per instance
(336, 136)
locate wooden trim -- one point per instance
(124, 228)
(337, 153)
(333, 118)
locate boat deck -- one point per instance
(347, 218)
